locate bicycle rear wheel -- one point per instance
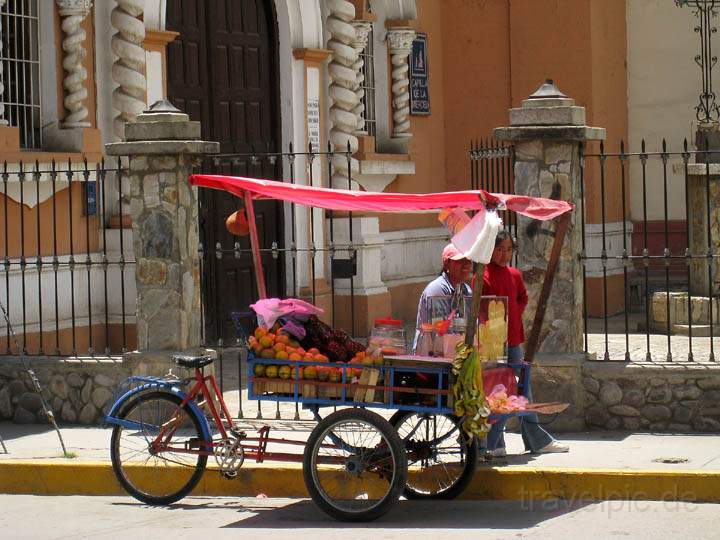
(165, 474)
(441, 460)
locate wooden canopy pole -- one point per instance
(255, 245)
(471, 328)
(560, 233)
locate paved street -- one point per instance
(122, 517)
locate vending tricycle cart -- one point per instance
(356, 462)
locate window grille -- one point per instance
(19, 24)
(368, 85)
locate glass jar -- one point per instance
(388, 335)
(425, 345)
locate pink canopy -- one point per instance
(365, 201)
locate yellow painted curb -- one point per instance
(87, 478)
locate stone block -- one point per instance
(634, 398)
(152, 272)
(710, 383)
(656, 413)
(151, 191)
(631, 424)
(150, 131)
(547, 116)
(558, 152)
(596, 416)
(682, 414)
(23, 416)
(679, 428)
(591, 385)
(6, 410)
(100, 397)
(613, 423)
(164, 163)
(529, 151)
(658, 426)
(610, 393)
(75, 380)
(624, 410)
(16, 388)
(659, 394)
(30, 401)
(68, 414)
(58, 386)
(706, 424)
(89, 414)
(85, 393)
(687, 392)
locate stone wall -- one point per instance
(79, 391)
(613, 396)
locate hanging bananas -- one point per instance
(468, 391)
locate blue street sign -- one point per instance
(419, 90)
(91, 198)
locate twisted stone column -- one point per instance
(3, 122)
(128, 71)
(343, 85)
(73, 12)
(400, 45)
(362, 32)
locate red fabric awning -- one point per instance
(365, 201)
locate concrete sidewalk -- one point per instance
(600, 466)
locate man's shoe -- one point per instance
(498, 452)
(553, 447)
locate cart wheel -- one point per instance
(441, 460)
(354, 465)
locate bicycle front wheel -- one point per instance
(158, 460)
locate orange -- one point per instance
(271, 335)
(308, 357)
(271, 371)
(279, 347)
(285, 371)
(323, 373)
(335, 375)
(295, 357)
(320, 358)
(310, 372)
(313, 351)
(260, 332)
(300, 350)
(267, 353)
(266, 342)
(283, 338)
(282, 355)
(361, 354)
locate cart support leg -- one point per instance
(255, 245)
(560, 233)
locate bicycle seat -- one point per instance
(188, 361)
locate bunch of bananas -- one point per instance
(468, 391)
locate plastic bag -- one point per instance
(476, 240)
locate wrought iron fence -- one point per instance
(67, 280)
(665, 259)
(307, 240)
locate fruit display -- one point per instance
(332, 357)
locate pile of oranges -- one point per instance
(278, 345)
(267, 344)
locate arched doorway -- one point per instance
(223, 72)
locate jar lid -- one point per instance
(388, 321)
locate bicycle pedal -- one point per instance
(237, 433)
(229, 475)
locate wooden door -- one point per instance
(223, 71)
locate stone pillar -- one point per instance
(3, 122)
(162, 145)
(400, 46)
(128, 70)
(547, 131)
(343, 83)
(362, 32)
(73, 12)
